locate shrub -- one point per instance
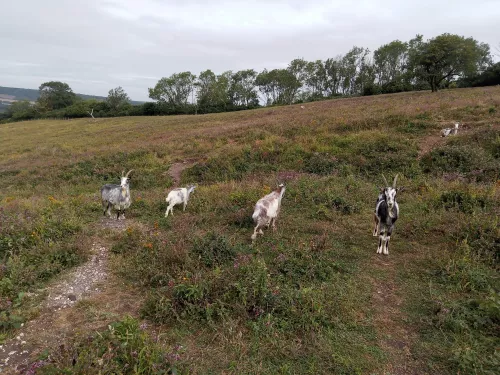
(322, 164)
(462, 200)
(213, 250)
(473, 161)
(124, 348)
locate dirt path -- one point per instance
(394, 335)
(58, 320)
(176, 169)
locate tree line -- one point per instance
(445, 61)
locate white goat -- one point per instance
(267, 210)
(447, 131)
(178, 196)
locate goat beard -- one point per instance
(124, 192)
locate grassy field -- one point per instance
(312, 298)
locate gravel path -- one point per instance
(77, 284)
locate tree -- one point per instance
(448, 57)
(242, 90)
(21, 110)
(390, 64)
(316, 79)
(55, 95)
(333, 75)
(279, 86)
(174, 90)
(117, 98)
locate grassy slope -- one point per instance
(312, 298)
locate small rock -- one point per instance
(72, 297)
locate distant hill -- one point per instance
(9, 94)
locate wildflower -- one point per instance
(143, 326)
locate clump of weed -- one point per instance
(213, 250)
(415, 127)
(124, 348)
(475, 162)
(322, 164)
(372, 153)
(463, 201)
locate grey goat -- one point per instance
(116, 196)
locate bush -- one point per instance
(470, 160)
(462, 200)
(124, 348)
(213, 250)
(322, 164)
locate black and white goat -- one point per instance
(267, 210)
(386, 214)
(116, 196)
(178, 196)
(450, 131)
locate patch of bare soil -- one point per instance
(82, 282)
(60, 317)
(176, 169)
(394, 336)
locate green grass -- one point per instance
(300, 300)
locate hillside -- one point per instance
(15, 93)
(190, 294)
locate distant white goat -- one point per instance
(267, 210)
(447, 131)
(178, 196)
(116, 196)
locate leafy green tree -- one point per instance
(55, 95)
(448, 57)
(242, 90)
(117, 99)
(279, 86)
(21, 110)
(390, 63)
(351, 65)
(333, 68)
(174, 90)
(316, 79)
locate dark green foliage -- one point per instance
(377, 154)
(213, 250)
(321, 164)
(489, 77)
(416, 127)
(463, 201)
(124, 348)
(475, 162)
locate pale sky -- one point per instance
(96, 45)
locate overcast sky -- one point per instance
(96, 45)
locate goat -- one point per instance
(447, 131)
(267, 210)
(386, 214)
(178, 196)
(117, 196)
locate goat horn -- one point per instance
(123, 173)
(385, 180)
(128, 173)
(395, 179)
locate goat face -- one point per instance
(124, 178)
(390, 196)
